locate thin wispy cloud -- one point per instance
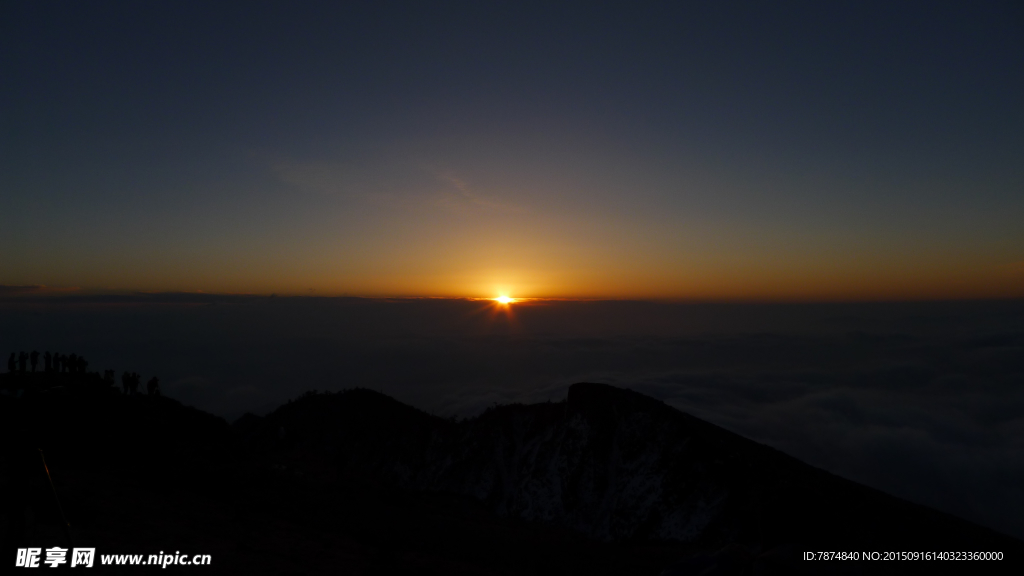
(460, 196)
(33, 290)
(393, 185)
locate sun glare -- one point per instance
(505, 299)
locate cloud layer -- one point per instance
(925, 401)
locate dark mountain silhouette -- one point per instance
(606, 482)
(608, 463)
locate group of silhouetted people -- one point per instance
(71, 363)
(130, 384)
(75, 364)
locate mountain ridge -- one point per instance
(607, 481)
(606, 462)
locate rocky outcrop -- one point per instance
(609, 463)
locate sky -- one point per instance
(704, 151)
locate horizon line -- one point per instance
(41, 293)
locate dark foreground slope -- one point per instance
(606, 482)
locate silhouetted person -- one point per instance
(34, 359)
(47, 361)
(125, 384)
(153, 386)
(83, 364)
(73, 363)
(11, 363)
(22, 361)
(133, 383)
(108, 377)
(63, 362)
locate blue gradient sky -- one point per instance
(722, 151)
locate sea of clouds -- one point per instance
(924, 401)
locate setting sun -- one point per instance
(505, 299)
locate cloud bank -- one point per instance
(924, 401)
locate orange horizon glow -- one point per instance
(766, 294)
(782, 281)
